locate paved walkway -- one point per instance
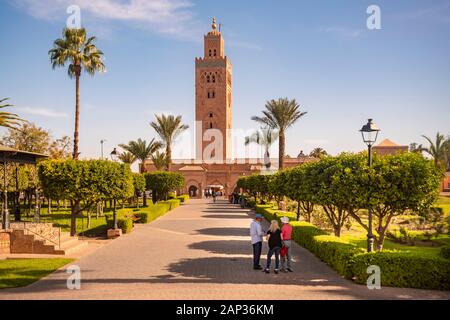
(199, 251)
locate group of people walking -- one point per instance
(279, 241)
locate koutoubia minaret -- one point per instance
(213, 97)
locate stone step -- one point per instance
(68, 243)
(75, 247)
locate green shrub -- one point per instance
(332, 250)
(124, 223)
(172, 203)
(404, 269)
(172, 195)
(147, 216)
(272, 214)
(183, 198)
(445, 252)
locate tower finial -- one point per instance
(214, 24)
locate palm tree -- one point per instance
(141, 150)
(127, 158)
(318, 153)
(7, 119)
(80, 51)
(265, 138)
(159, 160)
(168, 128)
(280, 115)
(438, 149)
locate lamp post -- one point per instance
(102, 142)
(114, 155)
(369, 134)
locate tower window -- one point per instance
(210, 53)
(210, 125)
(210, 115)
(211, 95)
(215, 52)
(208, 78)
(214, 79)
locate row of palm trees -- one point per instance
(168, 128)
(278, 116)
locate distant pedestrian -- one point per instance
(256, 234)
(214, 195)
(275, 244)
(286, 233)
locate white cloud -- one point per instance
(42, 112)
(172, 17)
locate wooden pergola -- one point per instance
(10, 155)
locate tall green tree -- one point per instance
(168, 127)
(85, 183)
(141, 150)
(398, 183)
(437, 149)
(159, 160)
(28, 137)
(127, 158)
(61, 148)
(280, 115)
(81, 53)
(318, 153)
(8, 119)
(264, 137)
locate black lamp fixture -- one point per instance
(370, 132)
(114, 154)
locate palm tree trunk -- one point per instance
(169, 156)
(281, 151)
(77, 111)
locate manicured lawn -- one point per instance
(361, 241)
(444, 203)
(62, 219)
(22, 272)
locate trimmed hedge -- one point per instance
(404, 269)
(183, 198)
(148, 214)
(124, 223)
(273, 214)
(398, 269)
(172, 203)
(445, 252)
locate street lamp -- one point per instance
(114, 155)
(369, 134)
(102, 142)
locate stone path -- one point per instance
(200, 250)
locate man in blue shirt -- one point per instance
(256, 233)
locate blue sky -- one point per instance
(319, 52)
